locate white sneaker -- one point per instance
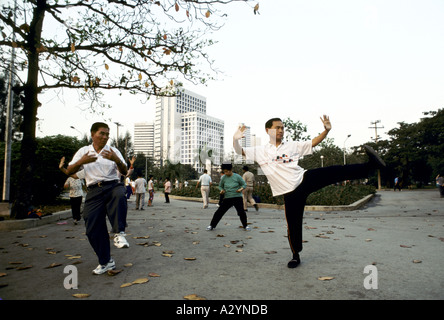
(209, 228)
(247, 228)
(111, 265)
(120, 241)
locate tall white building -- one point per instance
(184, 133)
(144, 138)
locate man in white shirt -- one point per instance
(103, 165)
(279, 161)
(205, 183)
(140, 186)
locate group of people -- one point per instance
(103, 169)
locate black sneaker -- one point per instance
(293, 263)
(374, 159)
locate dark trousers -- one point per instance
(76, 203)
(167, 198)
(314, 180)
(227, 203)
(108, 200)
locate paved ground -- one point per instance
(399, 233)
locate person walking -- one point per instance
(440, 184)
(279, 162)
(167, 189)
(150, 191)
(75, 186)
(231, 186)
(248, 192)
(140, 185)
(205, 184)
(106, 194)
(397, 183)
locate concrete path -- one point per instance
(399, 234)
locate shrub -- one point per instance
(329, 196)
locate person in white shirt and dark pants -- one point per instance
(103, 165)
(279, 162)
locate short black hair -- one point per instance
(245, 168)
(269, 123)
(227, 166)
(97, 125)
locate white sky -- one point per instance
(357, 61)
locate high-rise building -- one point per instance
(184, 133)
(144, 138)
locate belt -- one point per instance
(102, 183)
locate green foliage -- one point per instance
(48, 180)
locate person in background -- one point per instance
(231, 186)
(248, 192)
(140, 184)
(167, 189)
(205, 182)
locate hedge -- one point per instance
(329, 196)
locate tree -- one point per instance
(95, 46)
(414, 151)
(295, 130)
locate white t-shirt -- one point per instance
(280, 164)
(140, 184)
(100, 170)
(205, 179)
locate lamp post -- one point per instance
(117, 139)
(322, 161)
(344, 147)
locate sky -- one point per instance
(357, 61)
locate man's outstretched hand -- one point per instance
(326, 121)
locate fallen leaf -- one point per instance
(193, 297)
(128, 265)
(189, 259)
(416, 261)
(24, 268)
(141, 280)
(220, 235)
(114, 272)
(325, 278)
(153, 274)
(3, 274)
(126, 285)
(270, 252)
(141, 237)
(167, 255)
(53, 265)
(81, 295)
(404, 246)
(368, 240)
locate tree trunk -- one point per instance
(26, 183)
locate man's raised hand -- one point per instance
(239, 134)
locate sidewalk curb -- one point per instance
(9, 225)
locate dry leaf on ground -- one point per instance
(193, 297)
(325, 278)
(81, 295)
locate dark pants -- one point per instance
(227, 203)
(108, 200)
(76, 203)
(167, 198)
(314, 180)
